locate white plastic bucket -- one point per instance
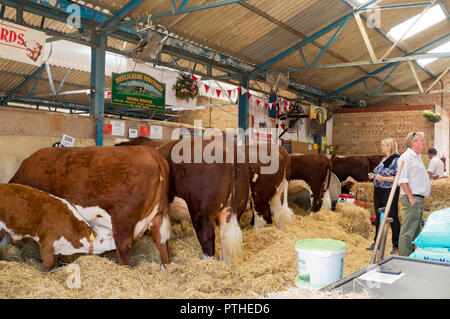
(320, 262)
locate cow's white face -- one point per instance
(104, 241)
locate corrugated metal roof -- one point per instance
(259, 30)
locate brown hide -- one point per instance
(315, 171)
(143, 141)
(263, 186)
(127, 183)
(374, 160)
(30, 212)
(355, 166)
(207, 189)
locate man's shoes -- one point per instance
(371, 247)
(394, 251)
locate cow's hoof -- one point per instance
(206, 257)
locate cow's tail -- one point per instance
(326, 200)
(164, 200)
(230, 231)
(281, 212)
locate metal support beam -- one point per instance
(2, 11)
(385, 79)
(126, 10)
(359, 96)
(438, 79)
(365, 36)
(243, 109)
(364, 63)
(331, 41)
(306, 41)
(21, 85)
(37, 81)
(398, 6)
(416, 77)
(63, 81)
(425, 47)
(50, 78)
(406, 32)
(98, 53)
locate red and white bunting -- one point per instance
(206, 88)
(218, 92)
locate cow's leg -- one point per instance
(48, 259)
(204, 228)
(230, 236)
(281, 214)
(160, 230)
(261, 215)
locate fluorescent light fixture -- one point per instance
(433, 16)
(359, 3)
(440, 49)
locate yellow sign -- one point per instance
(316, 146)
(331, 148)
(318, 113)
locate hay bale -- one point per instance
(356, 220)
(10, 253)
(367, 187)
(440, 195)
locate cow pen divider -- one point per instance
(382, 230)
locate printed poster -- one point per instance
(21, 44)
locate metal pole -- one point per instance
(243, 112)
(98, 53)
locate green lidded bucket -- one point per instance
(320, 262)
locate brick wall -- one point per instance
(360, 131)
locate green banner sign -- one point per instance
(138, 91)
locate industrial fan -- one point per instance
(151, 44)
(277, 81)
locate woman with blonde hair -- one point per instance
(383, 178)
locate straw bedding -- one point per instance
(268, 269)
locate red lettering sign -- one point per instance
(107, 129)
(144, 131)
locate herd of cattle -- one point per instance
(96, 199)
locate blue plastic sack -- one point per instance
(434, 254)
(436, 232)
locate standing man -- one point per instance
(415, 186)
(436, 166)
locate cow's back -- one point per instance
(355, 166)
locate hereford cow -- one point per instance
(131, 185)
(57, 226)
(356, 167)
(315, 170)
(210, 189)
(269, 191)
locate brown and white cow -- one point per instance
(269, 190)
(315, 170)
(57, 226)
(210, 190)
(130, 184)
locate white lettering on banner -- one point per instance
(67, 141)
(21, 44)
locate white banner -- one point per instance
(21, 44)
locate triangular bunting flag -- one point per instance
(267, 104)
(257, 102)
(229, 93)
(194, 77)
(239, 90)
(243, 91)
(218, 92)
(206, 88)
(249, 95)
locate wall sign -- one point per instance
(118, 128)
(138, 91)
(67, 141)
(156, 132)
(21, 44)
(144, 131)
(132, 132)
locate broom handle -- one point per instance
(386, 213)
